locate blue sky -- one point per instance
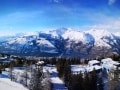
(36, 15)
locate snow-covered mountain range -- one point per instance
(63, 42)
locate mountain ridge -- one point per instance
(65, 42)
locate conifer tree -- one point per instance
(11, 70)
(67, 72)
(35, 82)
(93, 80)
(0, 69)
(86, 81)
(80, 80)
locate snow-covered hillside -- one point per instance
(77, 36)
(101, 37)
(63, 41)
(6, 84)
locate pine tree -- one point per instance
(46, 84)
(26, 75)
(35, 82)
(11, 70)
(0, 69)
(67, 73)
(86, 81)
(100, 84)
(93, 81)
(80, 80)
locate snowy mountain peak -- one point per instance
(30, 34)
(102, 37)
(73, 35)
(77, 36)
(59, 31)
(63, 41)
(100, 33)
(117, 34)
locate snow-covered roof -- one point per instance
(78, 68)
(40, 62)
(83, 69)
(96, 67)
(93, 62)
(109, 61)
(106, 60)
(3, 57)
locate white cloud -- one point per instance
(7, 32)
(55, 1)
(110, 2)
(113, 26)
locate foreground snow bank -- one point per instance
(6, 84)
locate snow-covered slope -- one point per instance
(77, 42)
(101, 37)
(64, 41)
(117, 34)
(29, 44)
(6, 84)
(77, 36)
